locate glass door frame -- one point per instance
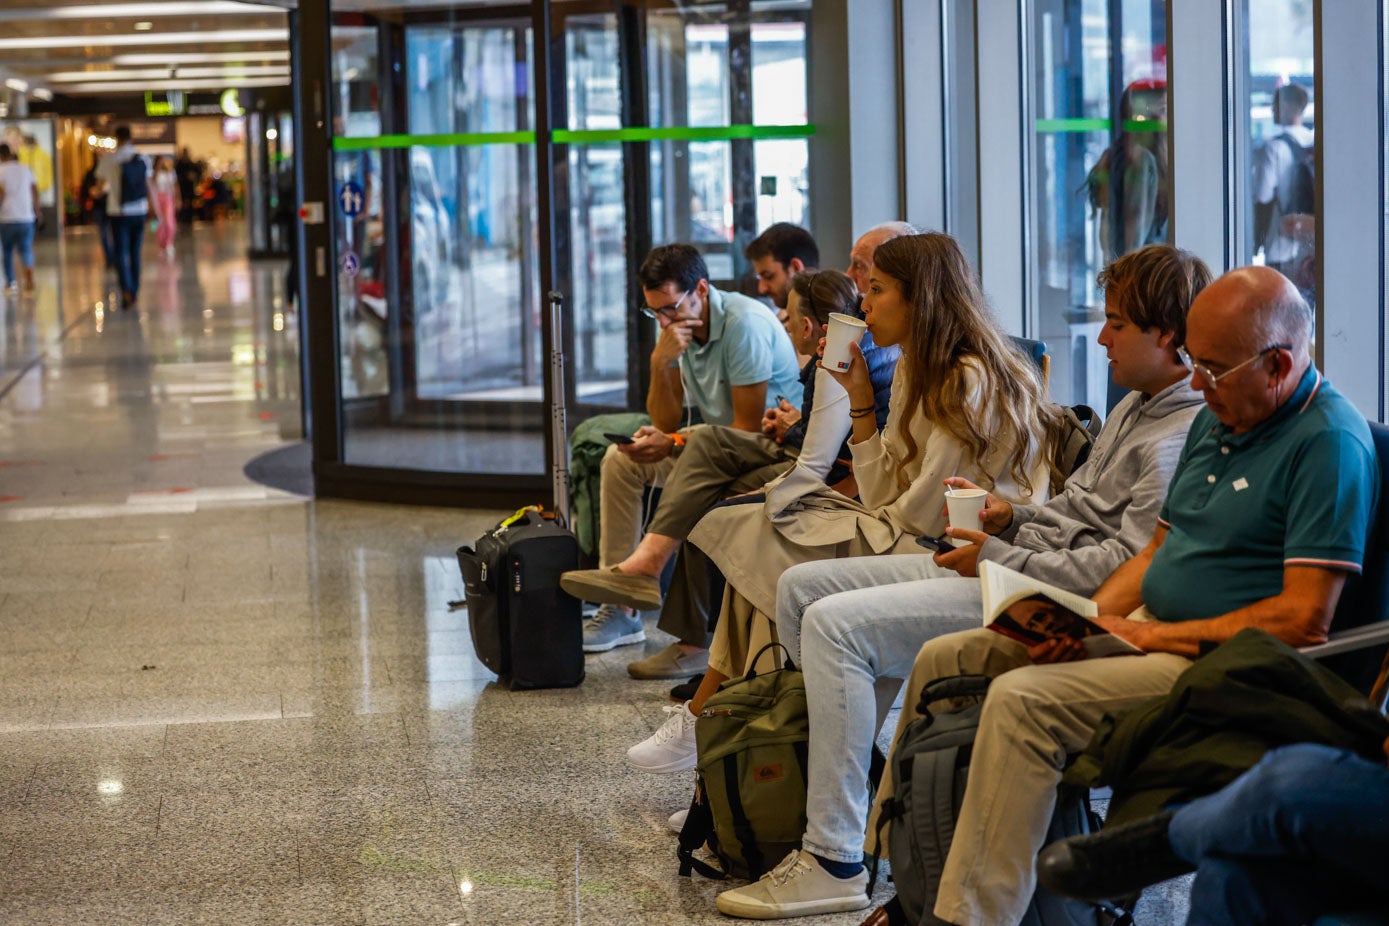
(311, 31)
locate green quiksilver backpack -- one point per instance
(749, 803)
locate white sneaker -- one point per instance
(676, 821)
(796, 887)
(669, 749)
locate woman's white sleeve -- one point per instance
(824, 436)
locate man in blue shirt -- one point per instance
(1266, 515)
(721, 352)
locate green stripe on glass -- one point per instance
(451, 140)
(1056, 126)
(577, 136)
(681, 133)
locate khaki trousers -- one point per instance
(621, 492)
(1034, 716)
(716, 461)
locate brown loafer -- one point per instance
(608, 586)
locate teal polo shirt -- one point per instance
(746, 345)
(1297, 490)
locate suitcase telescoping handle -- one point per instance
(559, 473)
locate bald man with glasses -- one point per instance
(1265, 518)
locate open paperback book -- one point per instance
(1032, 612)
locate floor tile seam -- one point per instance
(29, 782)
(42, 355)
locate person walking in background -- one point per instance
(1285, 190)
(190, 174)
(19, 211)
(165, 185)
(126, 178)
(1127, 187)
(94, 197)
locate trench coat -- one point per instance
(804, 520)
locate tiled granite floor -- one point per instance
(221, 703)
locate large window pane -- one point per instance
(691, 181)
(363, 302)
(437, 275)
(1282, 206)
(779, 98)
(472, 266)
(1101, 182)
(598, 212)
(708, 72)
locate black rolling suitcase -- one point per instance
(525, 627)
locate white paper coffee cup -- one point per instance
(963, 506)
(843, 331)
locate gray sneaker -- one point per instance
(610, 627)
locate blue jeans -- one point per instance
(1303, 833)
(129, 231)
(108, 237)
(17, 235)
(849, 624)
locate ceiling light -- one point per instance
(160, 38)
(125, 87)
(140, 10)
(143, 26)
(14, 83)
(228, 70)
(198, 57)
(41, 93)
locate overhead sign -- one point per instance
(231, 103)
(169, 103)
(352, 198)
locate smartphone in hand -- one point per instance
(619, 438)
(938, 544)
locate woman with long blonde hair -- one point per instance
(964, 403)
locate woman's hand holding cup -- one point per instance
(855, 379)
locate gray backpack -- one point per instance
(929, 769)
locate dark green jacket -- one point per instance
(1246, 697)
(586, 448)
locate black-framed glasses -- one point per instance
(1213, 379)
(655, 312)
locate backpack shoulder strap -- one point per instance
(699, 826)
(934, 776)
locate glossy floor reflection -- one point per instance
(223, 703)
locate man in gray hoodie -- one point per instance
(854, 625)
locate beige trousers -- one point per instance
(621, 493)
(1033, 717)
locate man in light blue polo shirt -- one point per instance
(722, 353)
(1266, 515)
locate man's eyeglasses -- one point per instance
(657, 312)
(1213, 379)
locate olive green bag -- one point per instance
(749, 803)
